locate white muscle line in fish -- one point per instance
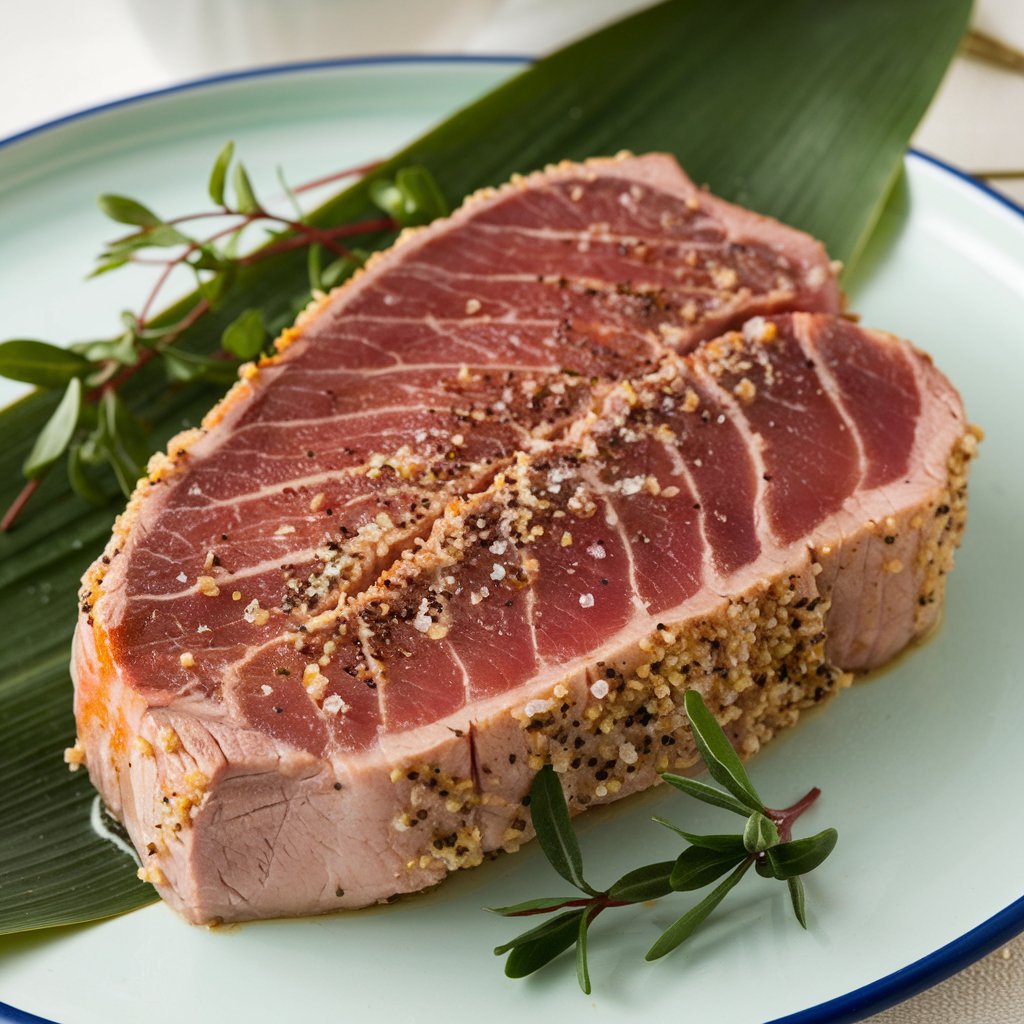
(472, 321)
(297, 482)
(710, 576)
(466, 684)
(272, 426)
(639, 606)
(831, 389)
(611, 237)
(378, 670)
(754, 445)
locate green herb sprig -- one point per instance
(91, 424)
(764, 844)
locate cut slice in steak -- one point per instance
(480, 513)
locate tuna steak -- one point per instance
(481, 512)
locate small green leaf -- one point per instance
(527, 957)
(696, 866)
(185, 366)
(412, 198)
(40, 363)
(244, 337)
(760, 833)
(56, 435)
(554, 828)
(313, 268)
(543, 903)
(163, 236)
(83, 478)
(796, 895)
(245, 197)
(582, 968)
(219, 173)
(720, 759)
(799, 856)
(105, 265)
(710, 795)
(694, 918)
(123, 441)
(647, 883)
(127, 211)
(121, 350)
(731, 841)
(545, 928)
(421, 193)
(293, 199)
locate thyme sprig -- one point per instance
(91, 425)
(766, 844)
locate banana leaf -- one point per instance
(799, 109)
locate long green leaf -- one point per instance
(708, 794)
(693, 919)
(697, 866)
(40, 363)
(800, 109)
(801, 855)
(549, 940)
(720, 759)
(554, 828)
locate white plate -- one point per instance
(919, 766)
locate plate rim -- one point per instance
(853, 1006)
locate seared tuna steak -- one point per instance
(496, 502)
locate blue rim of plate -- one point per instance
(846, 1009)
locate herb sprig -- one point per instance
(91, 424)
(766, 844)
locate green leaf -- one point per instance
(122, 439)
(708, 794)
(127, 211)
(698, 866)
(720, 759)
(554, 828)
(582, 967)
(245, 336)
(540, 945)
(731, 841)
(185, 366)
(413, 198)
(245, 197)
(84, 480)
(650, 882)
(760, 833)
(694, 918)
(799, 856)
(219, 173)
(164, 236)
(40, 363)
(543, 903)
(121, 350)
(55, 437)
(796, 895)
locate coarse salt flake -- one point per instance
(497, 571)
(423, 621)
(266, 690)
(334, 705)
(181, 578)
(586, 600)
(596, 550)
(599, 689)
(537, 707)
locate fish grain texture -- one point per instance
(597, 438)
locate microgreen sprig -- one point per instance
(765, 843)
(91, 424)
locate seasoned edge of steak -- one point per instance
(755, 519)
